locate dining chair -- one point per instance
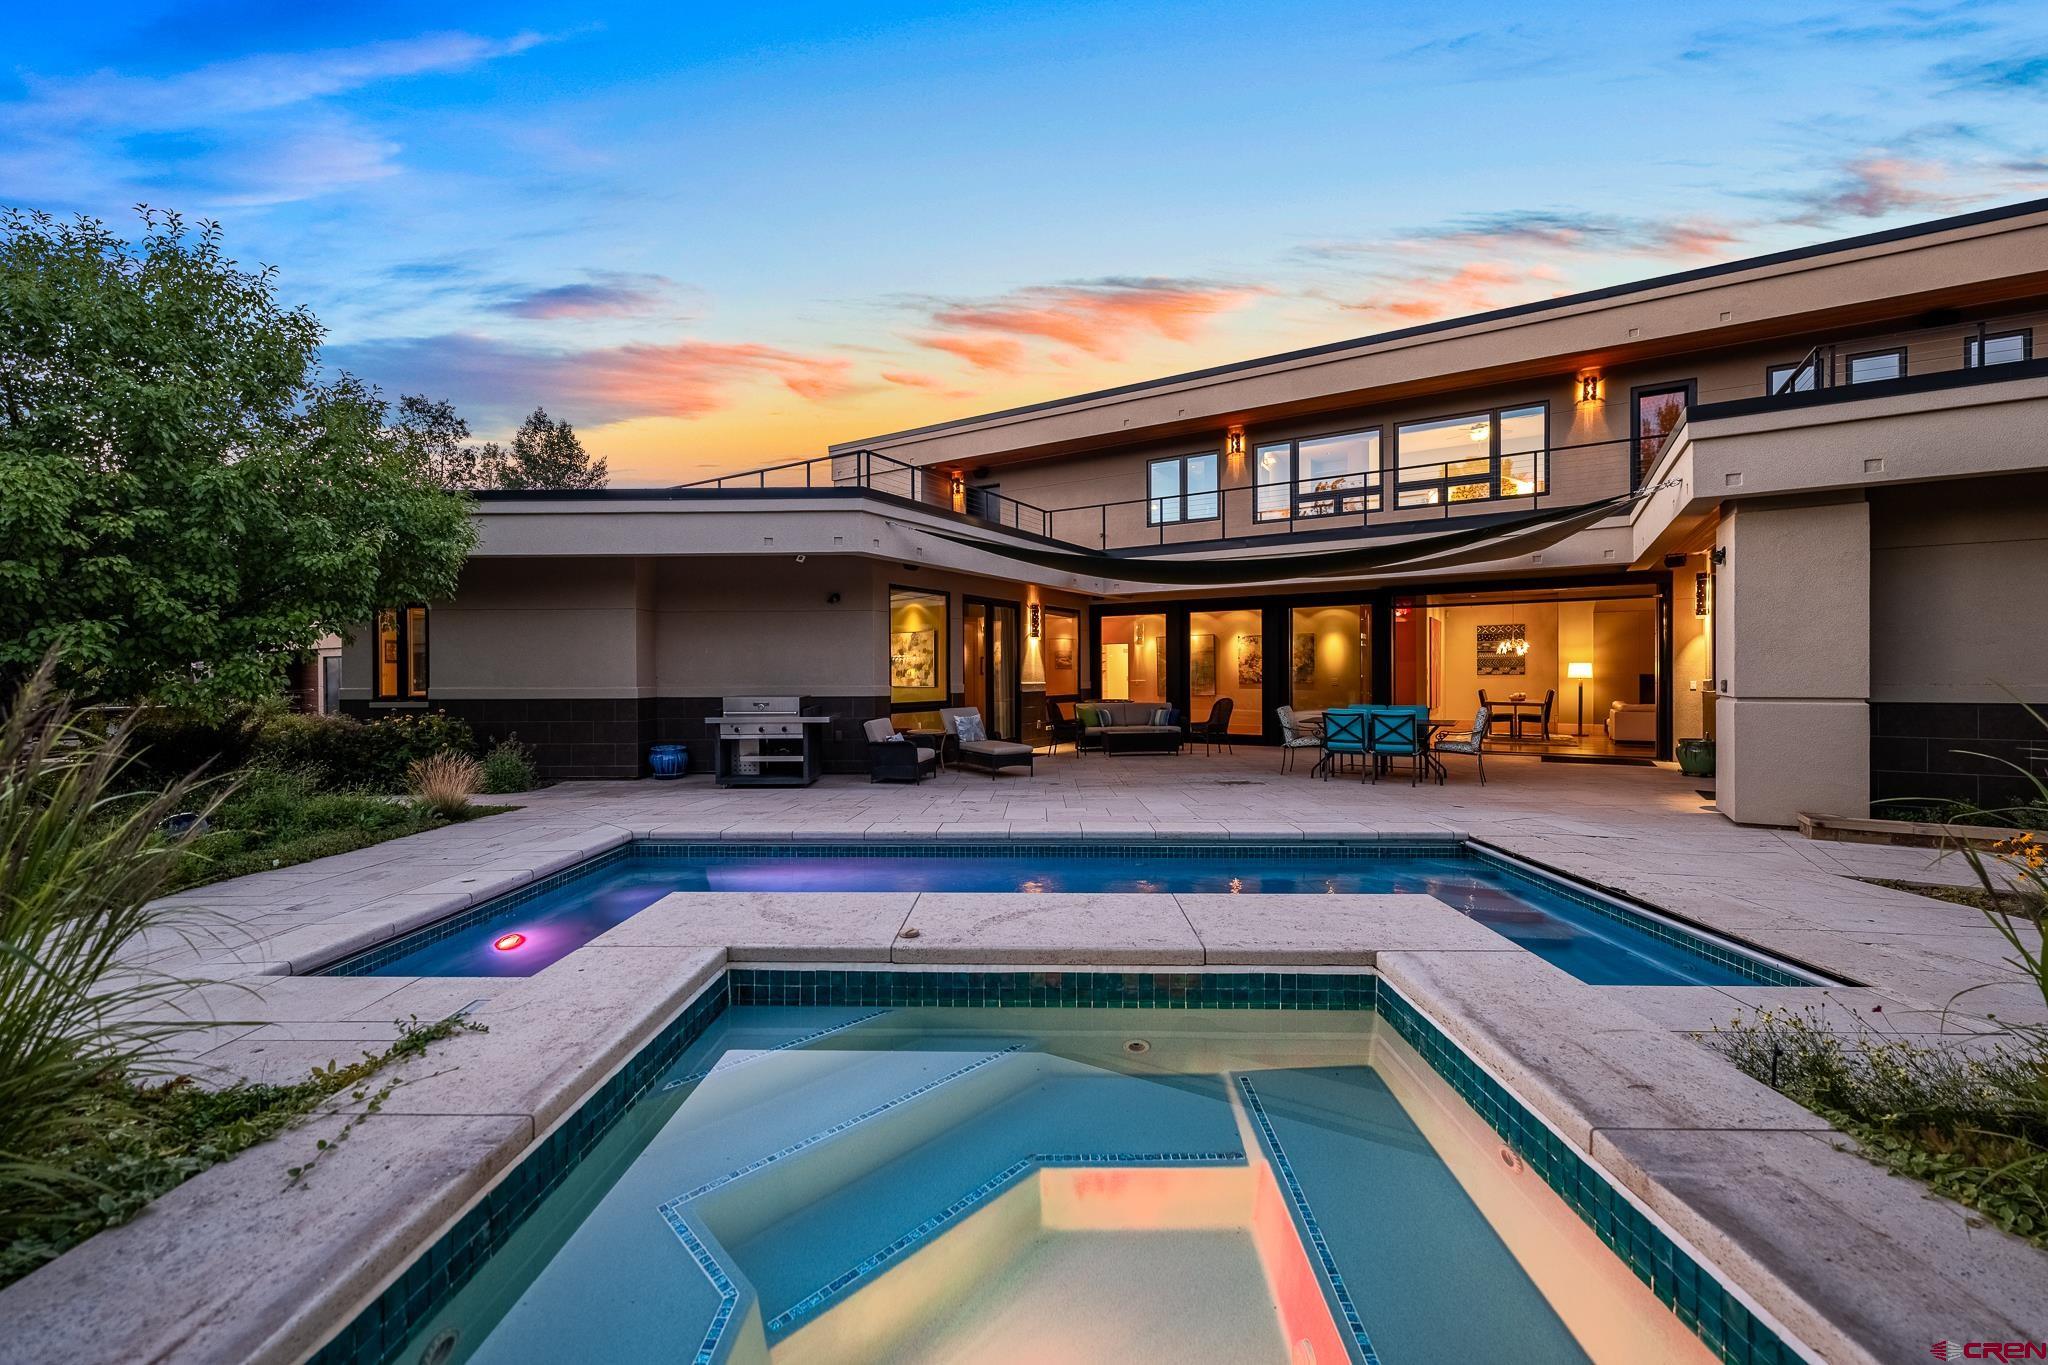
(1394, 733)
(1473, 743)
(1293, 739)
(1343, 738)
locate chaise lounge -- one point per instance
(977, 749)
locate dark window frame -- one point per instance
(1688, 388)
(1370, 495)
(1495, 458)
(1849, 365)
(1774, 375)
(410, 691)
(1980, 339)
(1181, 497)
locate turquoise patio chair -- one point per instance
(1343, 737)
(1395, 732)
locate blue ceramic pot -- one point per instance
(668, 760)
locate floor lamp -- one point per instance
(1580, 672)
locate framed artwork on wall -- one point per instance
(914, 658)
(1304, 659)
(1251, 661)
(1202, 665)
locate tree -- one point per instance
(435, 440)
(546, 454)
(185, 504)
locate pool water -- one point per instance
(1595, 939)
(934, 1184)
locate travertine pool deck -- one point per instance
(1856, 1264)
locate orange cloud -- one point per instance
(1474, 287)
(999, 355)
(1874, 186)
(686, 378)
(1096, 318)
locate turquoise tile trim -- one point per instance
(803, 1041)
(874, 1264)
(1305, 1217)
(714, 1271)
(380, 1331)
(1691, 1290)
(1055, 989)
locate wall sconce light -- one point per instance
(1589, 388)
(1702, 594)
(1037, 620)
(1233, 441)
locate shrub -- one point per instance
(509, 767)
(80, 869)
(443, 783)
(344, 752)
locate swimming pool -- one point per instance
(936, 1180)
(1594, 937)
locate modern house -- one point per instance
(1797, 504)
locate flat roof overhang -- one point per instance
(1996, 256)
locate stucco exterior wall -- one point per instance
(1794, 659)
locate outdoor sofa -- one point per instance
(1128, 726)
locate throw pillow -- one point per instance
(1163, 716)
(968, 728)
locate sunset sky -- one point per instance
(715, 237)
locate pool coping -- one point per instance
(262, 1273)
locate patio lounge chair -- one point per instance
(1293, 740)
(1215, 731)
(1473, 743)
(892, 758)
(977, 749)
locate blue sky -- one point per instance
(712, 237)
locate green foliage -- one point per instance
(141, 1142)
(442, 784)
(81, 864)
(341, 751)
(279, 817)
(547, 454)
(509, 768)
(1973, 1125)
(435, 440)
(185, 504)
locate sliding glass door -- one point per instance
(992, 659)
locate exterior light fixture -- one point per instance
(505, 943)
(1702, 594)
(1589, 388)
(1233, 442)
(1037, 620)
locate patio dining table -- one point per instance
(1431, 728)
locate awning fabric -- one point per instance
(1515, 536)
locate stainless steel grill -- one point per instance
(769, 742)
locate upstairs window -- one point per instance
(1319, 476)
(402, 655)
(1659, 411)
(1181, 489)
(1797, 378)
(1874, 366)
(1499, 454)
(1997, 348)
